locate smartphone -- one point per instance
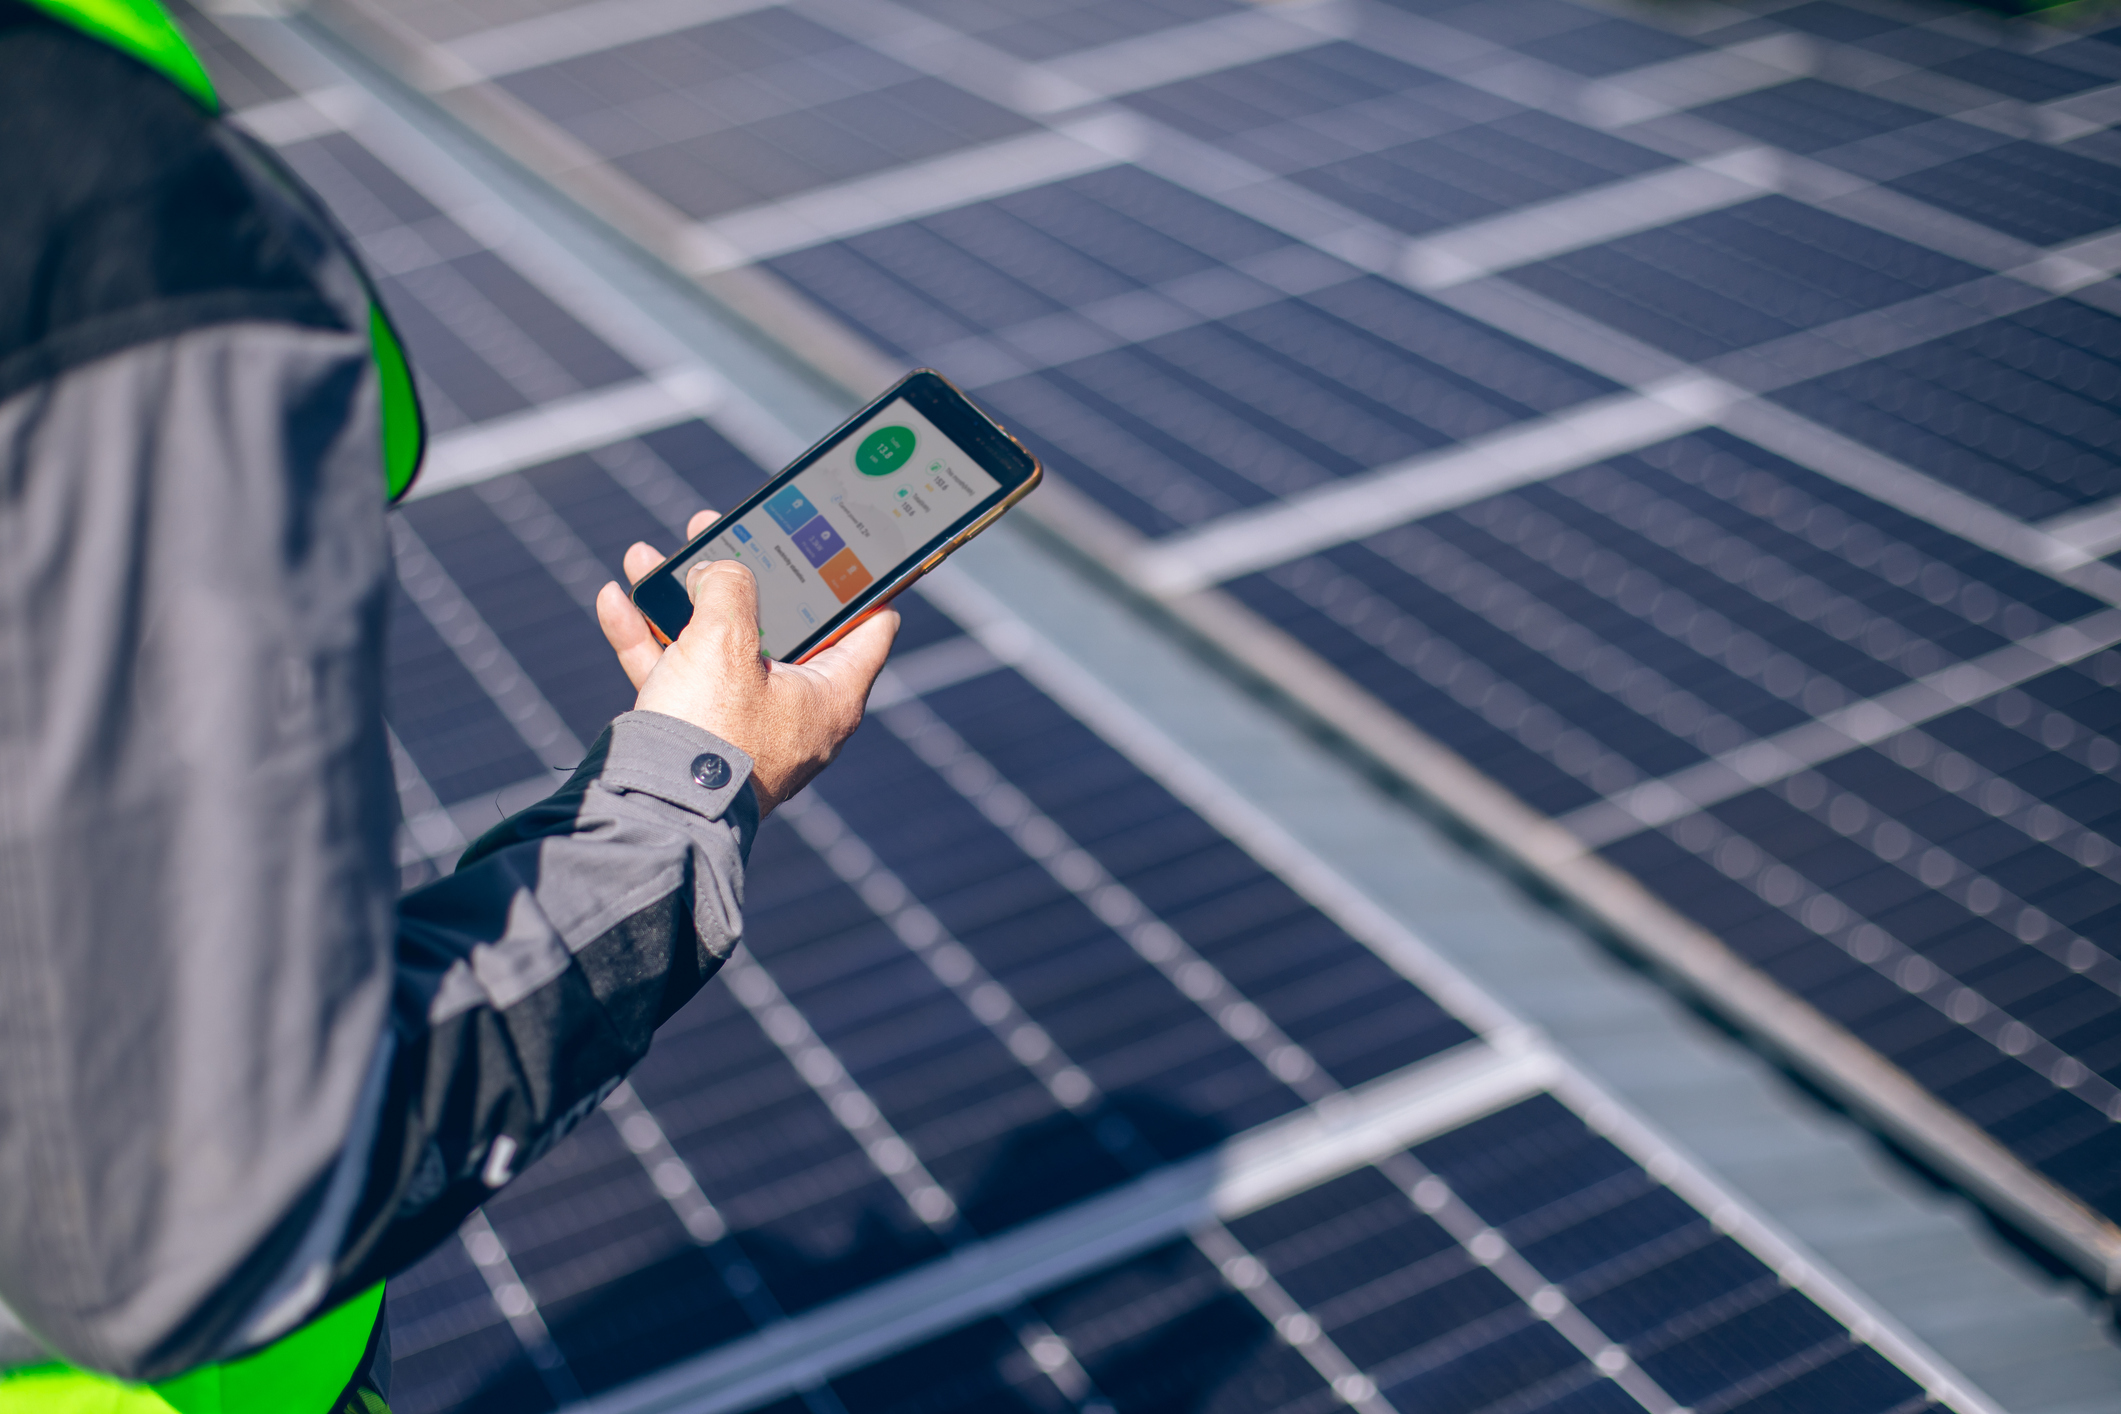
(857, 518)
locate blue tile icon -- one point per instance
(743, 536)
(790, 508)
(817, 540)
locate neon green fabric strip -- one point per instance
(404, 429)
(144, 30)
(300, 1374)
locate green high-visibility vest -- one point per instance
(143, 29)
(306, 1372)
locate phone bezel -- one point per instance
(661, 595)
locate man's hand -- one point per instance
(790, 718)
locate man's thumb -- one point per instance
(725, 609)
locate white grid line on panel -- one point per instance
(490, 1255)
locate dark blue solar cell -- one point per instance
(1923, 46)
(1533, 629)
(1163, 1335)
(1594, 1397)
(534, 617)
(457, 385)
(1602, 1226)
(1302, 599)
(1831, 20)
(1046, 29)
(1067, 245)
(479, 1368)
(647, 1317)
(1287, 88)
(979, 1369)
(1810, 115)
(2018, 412)
(1609, 47)
(1108, 1010)
(717, 171)
(582, 355)
(1629, 1305)
(364, 194)
(1522, 1159)
(2031, 190)
(620, 1284)
(1915, 148)
(1477, 171)
(1162, 209)
(702, 458)
(1742, 276)
(2020, 76)
(1861, 547)
(694, 58)
(1485, 1367)
(1697, 1350)
(890, 313)
(2092, 1167)
(804, 1204)
(454, 733)
(1857, 1379)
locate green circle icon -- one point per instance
(884, 451)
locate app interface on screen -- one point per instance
(849, 519)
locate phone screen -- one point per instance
(870, 502)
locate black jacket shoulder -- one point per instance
(129, 213)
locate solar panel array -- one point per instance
(992, 970)
(998, 972)
(1702, 423)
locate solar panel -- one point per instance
(1003, 979)
(1705, 435)
(1517, 1260)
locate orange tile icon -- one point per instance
(844, 575)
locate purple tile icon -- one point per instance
(817, 540)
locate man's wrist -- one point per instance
(677, 761)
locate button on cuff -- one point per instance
(675, 761)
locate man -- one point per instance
(241, 1081)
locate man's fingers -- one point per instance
(641, 557)
(700, 521)
(628, 633)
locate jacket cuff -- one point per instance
(674, 761)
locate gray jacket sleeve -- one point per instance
(239, 1077)
(532, 979)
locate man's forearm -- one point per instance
(532, 979)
